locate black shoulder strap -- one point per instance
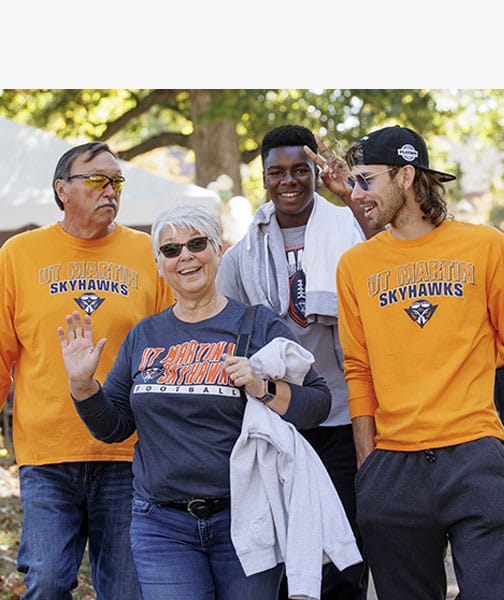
(245, 332)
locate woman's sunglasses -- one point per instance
(363, 180)
(100, 182)
(173, 249)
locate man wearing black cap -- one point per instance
(421, 322)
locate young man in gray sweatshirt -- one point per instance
(287, 260)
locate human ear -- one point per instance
(408, 176)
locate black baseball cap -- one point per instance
(395, 145)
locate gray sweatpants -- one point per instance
(409, 504)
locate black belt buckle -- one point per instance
(200, 508)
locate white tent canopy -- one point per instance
(28, 157)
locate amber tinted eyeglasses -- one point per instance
(100, 182)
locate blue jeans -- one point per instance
(182, 557)
(66, 506)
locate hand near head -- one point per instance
(335, 174)
(80, 357)
(334, 171)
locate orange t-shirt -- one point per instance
(45, 275)
(420, 324)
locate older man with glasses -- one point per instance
(75, 491)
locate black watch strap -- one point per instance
(271, 390)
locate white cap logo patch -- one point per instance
(408, 152)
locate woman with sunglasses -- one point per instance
(177, 384)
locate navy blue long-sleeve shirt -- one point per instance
(168, 384)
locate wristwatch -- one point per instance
(271, 390)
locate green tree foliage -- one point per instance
(222, 129)
(496, 216)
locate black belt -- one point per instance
(201, 508)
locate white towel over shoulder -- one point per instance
(330, 231)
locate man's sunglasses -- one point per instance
(173, 249)
(100, 182)
(363, 180)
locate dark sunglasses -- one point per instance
(100, 182)
(363, 180)
(173, 249)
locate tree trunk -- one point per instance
(215, 144)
